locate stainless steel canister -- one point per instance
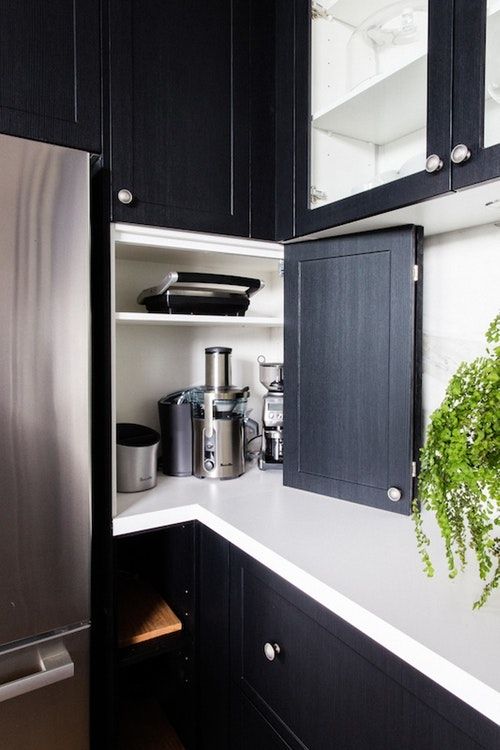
(136, 457)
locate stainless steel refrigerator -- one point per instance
(44, 446)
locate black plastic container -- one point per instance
(176, 437)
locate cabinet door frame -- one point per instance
(402, 192)
(403, 385)
(469, 96)
(164, 212)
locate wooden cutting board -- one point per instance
(142, 613)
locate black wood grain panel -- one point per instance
(346, 300)
(213, 640)
(469, 96)
(350, 328)
(402, 192)
(250, 730)
(180, 115)
(377, 701)
(262, 122)
(50, 71)
(285, 104)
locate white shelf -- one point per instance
(131, 239)
(224, 321)
(381, 109)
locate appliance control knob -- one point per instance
(271, 650)
(394, 494)
(433, 163)
(209, 465)
(125, 196)
(460, 154)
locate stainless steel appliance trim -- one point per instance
(55, 664)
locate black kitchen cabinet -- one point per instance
(327, 686)
(368, 110)
(352, 359)
(382, 111)
(50, 86)
(180, 114)
(155, 674)
(261, 664)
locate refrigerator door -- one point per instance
(44, 694)
(44, 388)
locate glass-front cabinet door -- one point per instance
(373, 106)
(476, 93)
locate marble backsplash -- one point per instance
(461, 297)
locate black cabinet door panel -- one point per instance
(50, 71)
(350, 312)
(179, 73)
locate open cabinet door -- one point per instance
(352, 366)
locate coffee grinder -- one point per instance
(271, 377)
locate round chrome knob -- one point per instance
(460, 154)
(433, 163)
(394, 494)
(271, 650)
(209, 465)
(125, 196)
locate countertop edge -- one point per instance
(466, 687)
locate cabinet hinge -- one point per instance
(414, 469)
(318, 11)
(415, 273)
(281, 268)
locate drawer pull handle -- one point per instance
(271, 650)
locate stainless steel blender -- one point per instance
(218, 419)
(271, 377)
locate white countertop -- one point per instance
(359, 562)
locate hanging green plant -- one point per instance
(459, 479)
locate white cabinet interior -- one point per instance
(368, 95)
(157, 354)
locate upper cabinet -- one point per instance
(395, 103)
(50, 71)
(373, 103)
(180, 114)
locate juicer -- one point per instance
(218, 412)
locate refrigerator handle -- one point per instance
(50, 666)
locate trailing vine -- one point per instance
(459, 479)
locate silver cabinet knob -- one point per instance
(125, 196)
(433, 163)
(460, 154)
(271, 650)
(394, 494)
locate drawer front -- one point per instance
(298, 684)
